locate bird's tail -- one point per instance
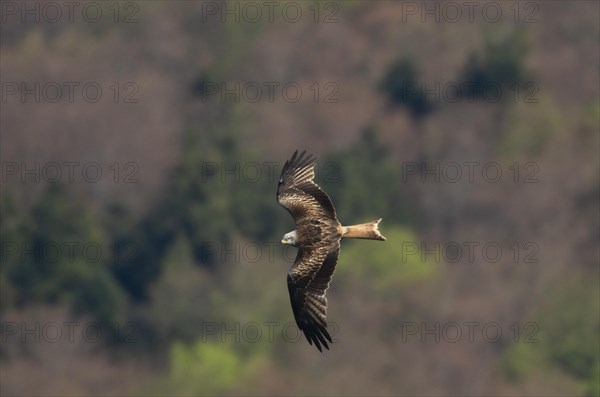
(369, 230)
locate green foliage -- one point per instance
(203, 368)
(15, 222)
(179, 299)
(210, 203)
(206, 203)
(96, 292)
(403, 87)
(571, 330)
(530, 129)
(592, 384)
(16, 226)
(7, 294)
(387, 265)
(591, 116)
(521, 361)
(209, 368)
(360, 171)
(501, 61)
(63, 256)
(568, 339)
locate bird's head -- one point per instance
(290, 238)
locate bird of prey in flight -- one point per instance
(317, 235)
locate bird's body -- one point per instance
(317, 235)
(315, 232)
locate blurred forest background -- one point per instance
(189, 252)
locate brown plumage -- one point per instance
(318, 234)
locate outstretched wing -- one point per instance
(307, 283)
(297, 191)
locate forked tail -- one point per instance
(369, 230)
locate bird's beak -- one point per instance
(282, 241)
